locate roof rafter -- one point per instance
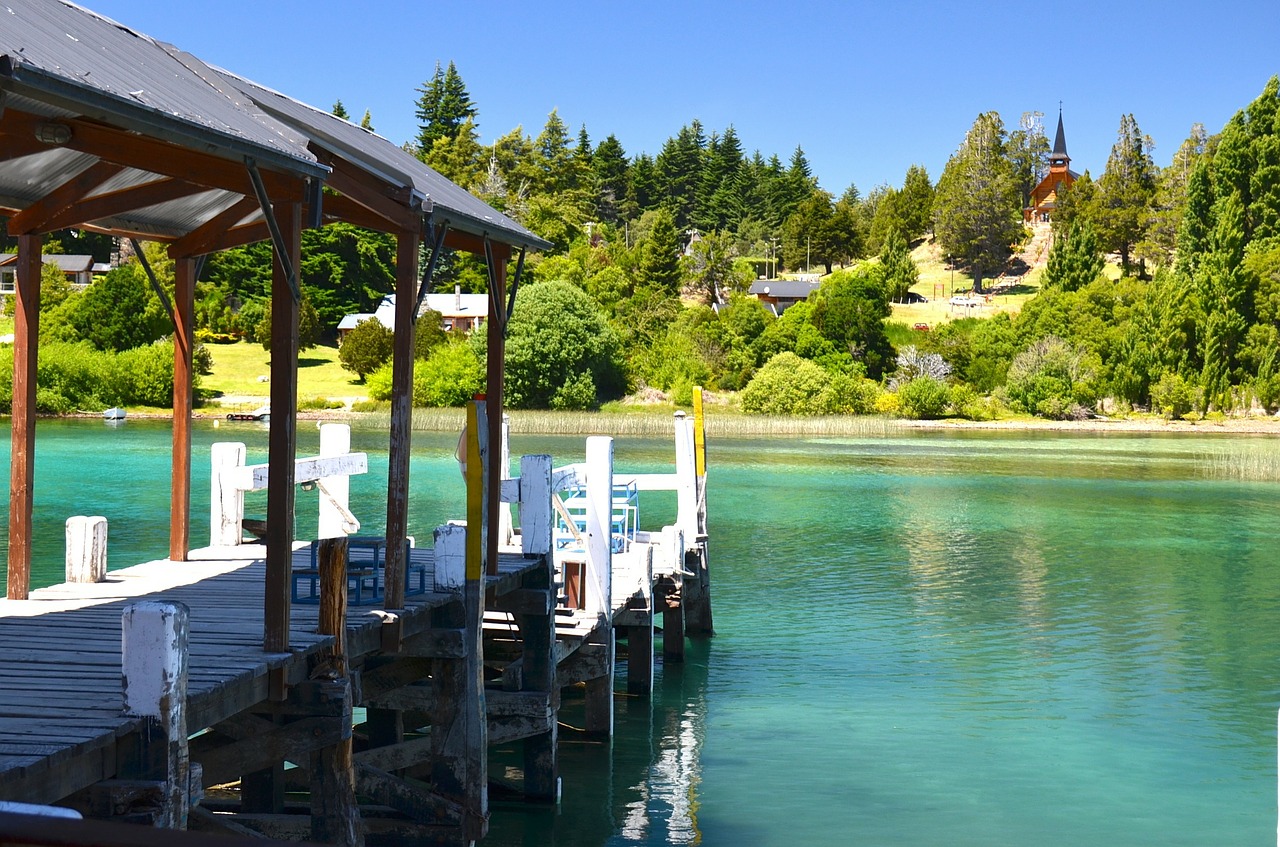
(201, 239)
(32, 219)
(154, 156)
(125, 200)
(384, 201)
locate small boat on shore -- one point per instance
(115, 413)
(262, 413)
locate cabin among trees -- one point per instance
(1044, 197)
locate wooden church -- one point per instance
(1044, 197)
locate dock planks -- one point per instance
(61, 702)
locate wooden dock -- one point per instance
(439, 680)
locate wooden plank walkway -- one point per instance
(61, 702)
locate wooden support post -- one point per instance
(495, 328)
(154, 668)
(401, 417)
(282, 450)
(335, 440)
(184, 306)
(672, 603)
(692, 518)
(599, 704)
(86, 549)
(335, 814)
(262, 791)
(506, 528)
(459, 738)
(640, 659)
(226, 500)
(22, 451)
(541, 765)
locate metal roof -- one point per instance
(1059, 142)
(65, 56)
(785, 288)
(389, 162)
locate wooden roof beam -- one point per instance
(159, 157)
(202, 239)
(125, 200)
(386, 202)
(33, 219)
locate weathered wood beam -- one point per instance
(590, 661)
(22, 466)
(465, 241)
(184, 307)
(203, 239)
(159, 157)
(282, 441)
(495, 365)
(33, 219)
(292, 741)
(418, 802)
(407, 244)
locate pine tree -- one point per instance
(916, 203)
(1197, 221)
(1126, 191)
(339, 110)
(897, 268)
(367, 121)
(977, 208)
(443, 107)
(609, 162)
(660, 258)
(1074, 260)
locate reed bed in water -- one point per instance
(1252, 460)
(656, 423)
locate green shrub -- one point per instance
(366, 348)
(317, 404)
(576, 395)
(851, 394)
(369, 406)
(923, 398)
(449, 377)
(378, 383)
(145, 376)
(1053, 379)
(787, 385)
(1173, 396)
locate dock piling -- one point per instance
(86, 548)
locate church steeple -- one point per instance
(1059, 159)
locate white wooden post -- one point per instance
(536, 513)
(451, 557)
(335, 440)
(686, 478)
(599, 524)
(226, 501)
(154, 671)
(673, 551)
(86, 548)
(506, 530)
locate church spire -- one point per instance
(1059, 154)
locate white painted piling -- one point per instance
(537, 515)
(226, 500)
(599, 524)
(686, 478)
(450, 557)
(86, 548)
(154, 661)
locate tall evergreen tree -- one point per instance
(1165, 215)
(897, 268)
(442, 107)
(1126, 191)
(977, 209)
(679, 172)
(609, 163)
(915, 203)
(660, 258)
(367, 121)
(1028, 152)
(1074, 260)
(339, 110)
(1197, 221)
(642, 183)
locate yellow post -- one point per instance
(475, 492)
(699, 435)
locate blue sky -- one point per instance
(867, 89)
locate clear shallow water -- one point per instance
(940, 638)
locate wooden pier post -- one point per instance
(692, 518)
(22, 451)
(541, 764)
(86, 548)
(184, 307)
(335, 814)
(460, 734)
(226, 500)
(401, 417)
(154, 663)
(672, 604)
(599, 579)
(640, 641)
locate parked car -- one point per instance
(921, 327)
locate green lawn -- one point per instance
(237, 367)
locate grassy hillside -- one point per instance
(238, 367)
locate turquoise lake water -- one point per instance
(963, 638)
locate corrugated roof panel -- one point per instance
(61, 43)
(391, 163)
